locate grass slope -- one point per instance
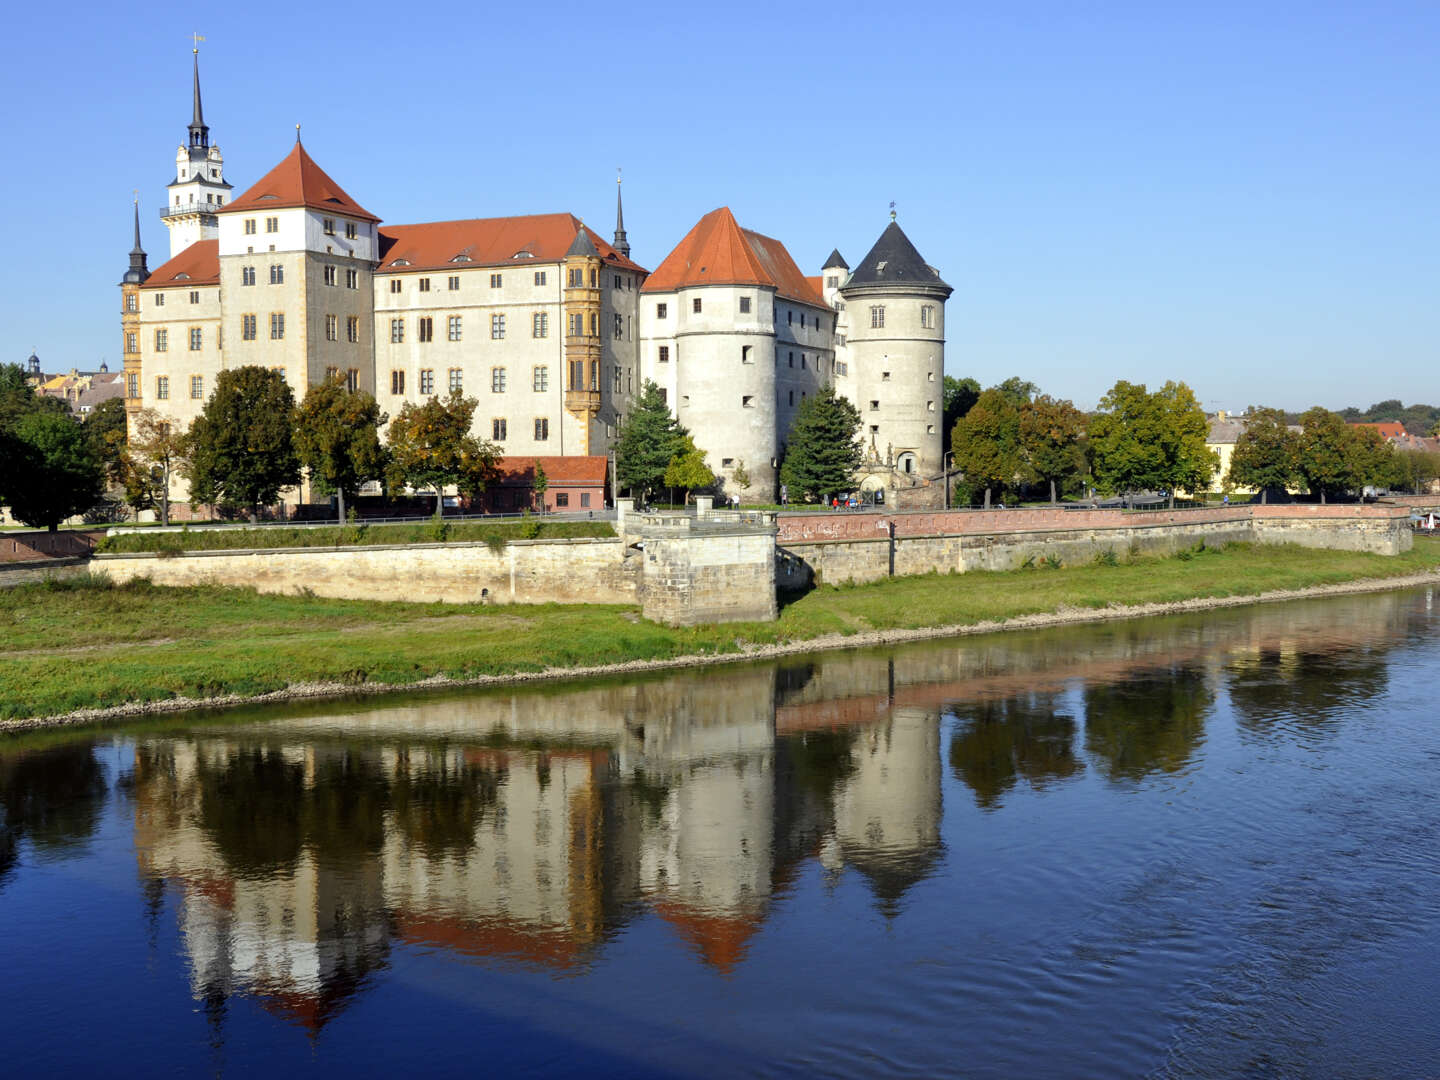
(85, 644)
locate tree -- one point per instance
(1141, 440)
(688, 470)
(822, 452)
(56, 472)
(157, 451)
(1373, 461)
(1323, 453)
(1189, 464)
(106, 427)
(337, 438)
(1052, 437)
(1266, 455)
(649, 441)
(431, 445)
(540, 484)
(986, 443)
(958, 396)
(242, 446)
(17, 400)
(1418, 469)
(1017, 391)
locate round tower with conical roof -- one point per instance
(895, 307)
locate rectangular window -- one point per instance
(132, 302)
(619, 328)
(832, 282)
(272, 224)
(249, 226)
(746, 355)
(352, 329)
(842, 368)
(277, 274)
(540, 326)
(577, 375)
(453, 283)
(197, 387)
(331, 372)
(577, 325)
(132, 343)
(792, 397)
(194, 297)
(495, 280)
(247, 327)
(277, 326)
(539, 277)
(425, 329)
(457, 379)
(395, 285)
(877, 318)
(744, 305)
(662, 311)
(196, 339)
(329, 225)
(664, 354)
(562, 498)
(247, 275)
(162, 341)
(616, 373)
(594, 324)
(332, 328)
(664, 395)
(576, 278)
(789, 318)
(791, 358)
(747, 402)
(542, 429)
(427, 381)
(397, 331)
(497, 380)
(695, 305)
(160, 297)
(618, 285)
(424, 284)
(874, 406)
(584, 499)
(929, 406)
(397, 382)
(497, 429)
(352, 231)
(162, 387)
(453, 327)
(497, 327)
(352, 279)
(352, 379)
(540, 378)
(132, 385)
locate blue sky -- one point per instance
(1242, 196)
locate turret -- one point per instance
(137, 274)
(199, 187)
(621, 245)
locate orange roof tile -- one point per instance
(577, 470)
(198, 264)
(818, 284)
(720, 939)
(298, 181)
(1389, 429)
(489, 241)
(717, 251)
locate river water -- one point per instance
(1191, 846)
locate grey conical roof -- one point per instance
(835, 259)
(582, 244)
(139, 272)
(894, 261)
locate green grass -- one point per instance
(84, 643)
(335, 536)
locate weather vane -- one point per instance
(892, 209)
(196, 39)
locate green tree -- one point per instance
(822, 453)
(56, 472)
(650, 439)
(337, 438)
(431, 445)
(1324, 453)
(18, 399)
(242, 445)
(157, 451)
(958, 396)
(1017, 391)
(1052, 438)
(1141, 440)
(106, 426)
(688, 470)
(986, 443)
(540, 484)
(1266, 455)
(1373, 461)
(1418, 470)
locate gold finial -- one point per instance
(297, 133)
(617, 174)
(195, 42)
(136, 192)
(892, 209)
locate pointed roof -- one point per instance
(297, 181)
(197, 114)
(717, 251)
(622, 245)
(894, 261)
(138, 271)
(489, 242)
(198, 264)
(582, 244)
(835, 259)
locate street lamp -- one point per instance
(945, 475)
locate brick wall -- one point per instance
(33, 546)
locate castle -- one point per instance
(552, 328)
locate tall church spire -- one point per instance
(199, 133)
(138, 271)
(621, 244)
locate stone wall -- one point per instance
(706, 571)
(523, 572)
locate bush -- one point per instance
(1106, 558)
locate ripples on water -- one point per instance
(1203, 846)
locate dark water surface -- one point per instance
(1199, 846)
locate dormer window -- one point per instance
(523, 255)
(461, 258)
(401, 262)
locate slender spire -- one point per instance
(139, 271)
(621, 244)
(137, 246)
(199, 133)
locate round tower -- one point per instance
(895, 303)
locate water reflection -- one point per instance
(51, 798)
(998, 742)
(1151, 723)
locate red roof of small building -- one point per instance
(198, 264)
(577, 470)
(717, 251)
(488, 241)
(1389, 429)
(298, 181)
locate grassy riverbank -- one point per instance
(421, 532)
(85, 644)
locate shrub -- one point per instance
(1107, 558)
(1053, 562)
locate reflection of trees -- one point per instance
(810, 768)
(440, 809)
(343, 814)
(1151, 723)
(53, 797)
(1305, 688)
(250, 808)
(999, 742)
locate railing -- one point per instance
(607, 514)
(189, 208)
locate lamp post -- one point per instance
(945, 475)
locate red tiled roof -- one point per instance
(495, 938)
(198, 264)
(1389, 429)
(577, 470)
(489, 241)
(818, 284)
(717, 251)
(721, 940)
(298, 181)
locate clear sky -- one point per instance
(1239, 195)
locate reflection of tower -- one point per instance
(887, 811)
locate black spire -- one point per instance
(835, 260)
(621, 244)
(138, 272)
(199, 133)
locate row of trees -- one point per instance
(1327, 456)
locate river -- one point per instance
(1203, 845)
